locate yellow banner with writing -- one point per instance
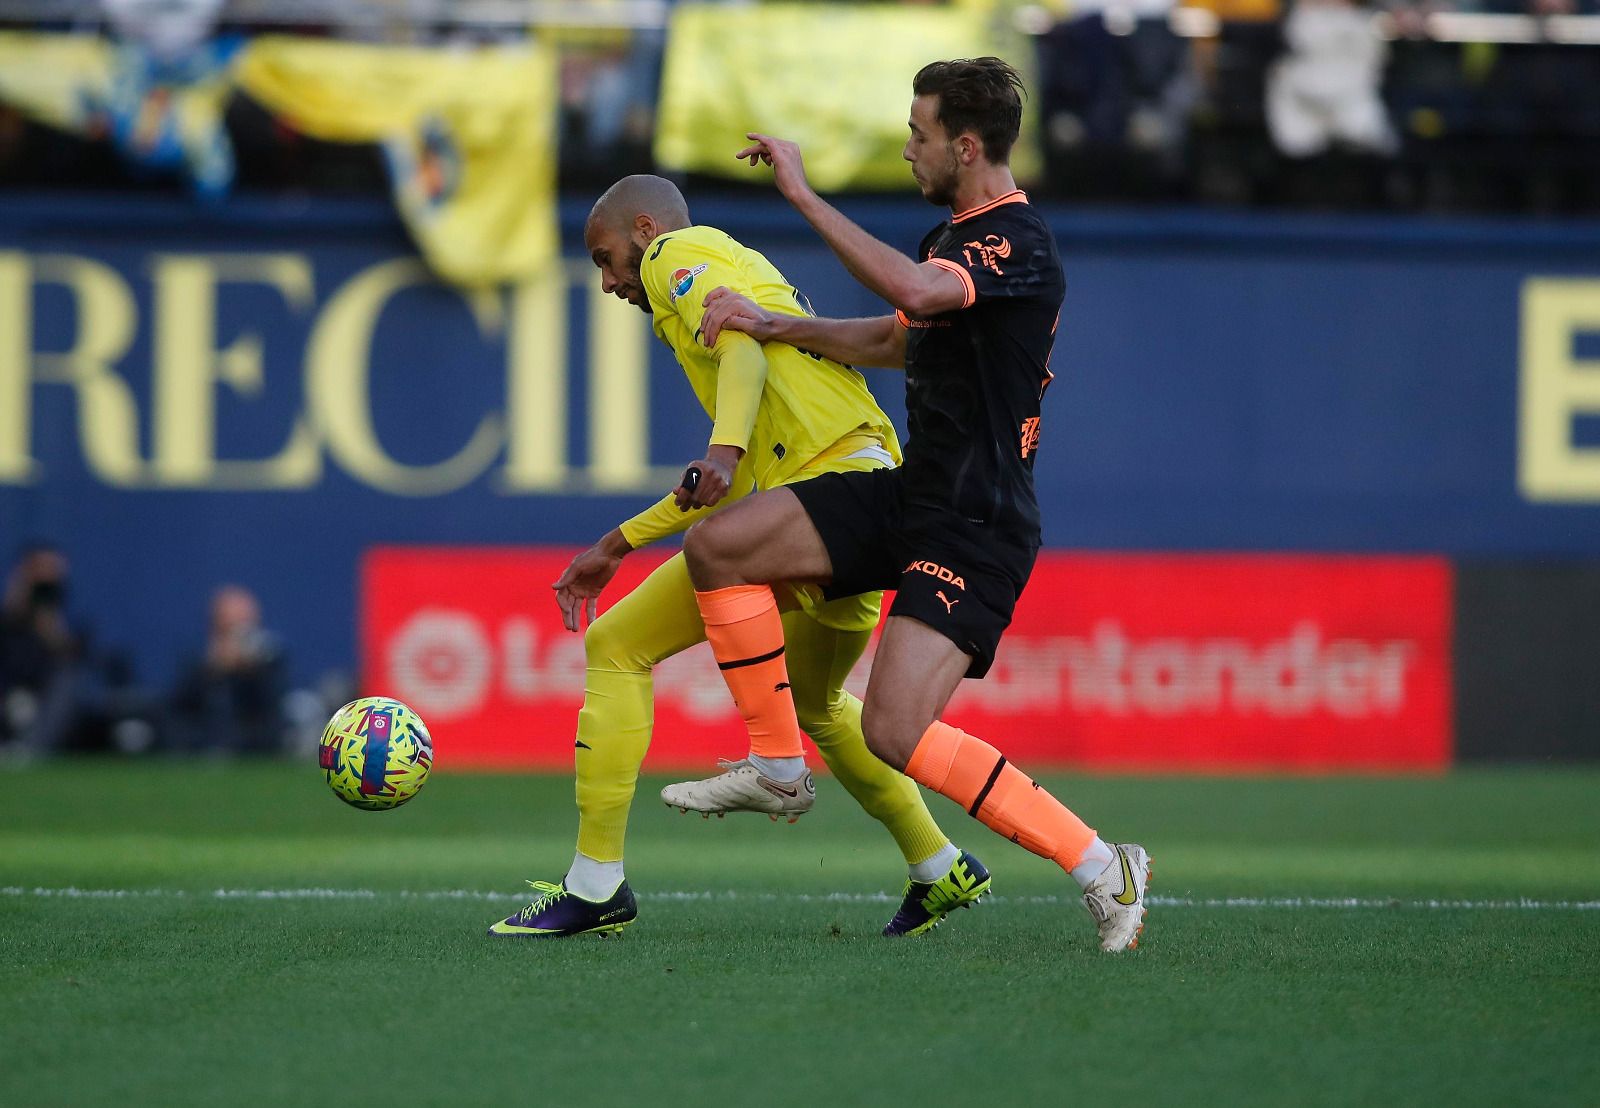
(470, 137)
(835, 78)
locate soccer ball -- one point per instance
(376, 753)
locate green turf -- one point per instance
(765, 991)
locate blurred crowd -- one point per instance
(1328, 103)
(62, 692)
(1440, 105)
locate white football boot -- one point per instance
(743, 788)
(1116, 898)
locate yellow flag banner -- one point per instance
(54, 79)
(470, 137)
(835, 78)
(159, 119)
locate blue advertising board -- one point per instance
(258, 392)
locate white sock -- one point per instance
(593, 880)
(931, 869)
(1093, 863)
(779, 769)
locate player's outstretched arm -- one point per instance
(579, 586)
(879, 341)
(919, 289)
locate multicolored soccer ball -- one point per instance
(376, 753)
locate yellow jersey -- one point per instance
(784, 417)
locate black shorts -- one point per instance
(960, 578)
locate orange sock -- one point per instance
(977, 776)
(746, 634)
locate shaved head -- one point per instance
(625, 221)
(640, 194)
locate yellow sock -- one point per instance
(613, 735)
(658, 619)
(820, 658)
(652, 623)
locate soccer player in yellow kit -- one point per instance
(779, 415)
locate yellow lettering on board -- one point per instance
(1557, 386)
(189, 365)
(338, 372)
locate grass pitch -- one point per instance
(177, 934)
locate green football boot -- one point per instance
(926, 903)
(557, 913)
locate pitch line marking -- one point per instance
(731, 895)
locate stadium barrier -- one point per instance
(1526, 639)
(262, 393)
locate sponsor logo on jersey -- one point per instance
(933, 569)
(1030, 435)
(683, 280)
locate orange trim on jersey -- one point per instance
(966, 279)
(901, 318)
(1015, 196)
(1048, 376)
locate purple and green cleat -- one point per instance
(926, 903)
(557, 913)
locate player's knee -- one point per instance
(700, 545)
(607, 645)
(885, 735)
(817, 709)
(710, 547)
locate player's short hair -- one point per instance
(981, 95)
(640, 192)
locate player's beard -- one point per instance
(631, 265)
(939, 187)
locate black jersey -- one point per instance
(975, 375)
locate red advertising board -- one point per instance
(1114, 661)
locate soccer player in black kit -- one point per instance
(956, 529)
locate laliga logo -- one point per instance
(440, 662)
(451, 663)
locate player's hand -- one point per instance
(788, 170)
(579, 586)
(732, 311)
(716, 477)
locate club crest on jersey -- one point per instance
(683, 280)
(991, 251)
